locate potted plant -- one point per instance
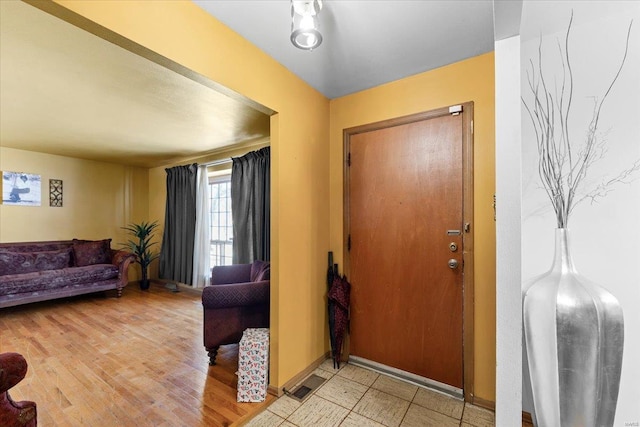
(141, 247)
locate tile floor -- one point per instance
(358, 397)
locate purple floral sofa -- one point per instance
(38, 271)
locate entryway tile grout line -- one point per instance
(369, 388)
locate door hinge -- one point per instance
(349, 159)
(455, 110)
(471, 127)
(349, 242)
(494, 207)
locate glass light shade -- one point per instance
(304, 24)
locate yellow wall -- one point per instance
(184, 33)
(98, 199)
(469, 80)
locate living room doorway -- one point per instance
(408, 192)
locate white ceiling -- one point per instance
(68, 92)
(365, 43)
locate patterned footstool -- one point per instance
(253, 365)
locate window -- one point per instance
(221, 221)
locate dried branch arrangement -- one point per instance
(562, 164)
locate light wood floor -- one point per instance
(138, 360)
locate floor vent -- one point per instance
(173, 287)
(304, 389)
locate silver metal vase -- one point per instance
(574, 333)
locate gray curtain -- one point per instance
(176, 253)
(251, 206)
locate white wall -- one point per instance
(605, 236)
(508, 276)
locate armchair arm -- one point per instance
(122, 259)
(13, 368)
(236, 294)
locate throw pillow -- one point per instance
(260, 270)
(90, 253)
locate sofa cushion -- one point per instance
(42, 281)
(91, 253)
(18, 262)
(260, 270)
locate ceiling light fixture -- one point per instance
(304, 24)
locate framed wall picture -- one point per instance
(21, 189)
(55, 193)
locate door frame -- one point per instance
(467, 218)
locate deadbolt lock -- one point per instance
(453, 263)
(453, 246)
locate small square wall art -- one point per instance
(20, 188)
(55, 193)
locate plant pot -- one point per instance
(145, 282)
(574, 333)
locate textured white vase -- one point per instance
(574, 333)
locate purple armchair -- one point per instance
(237, 299)
(13, 368)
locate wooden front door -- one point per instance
(405, 226)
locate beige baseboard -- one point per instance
(490, 405)
(484, 403)
(274, 391)
(279, 391)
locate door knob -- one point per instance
(453, 263)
